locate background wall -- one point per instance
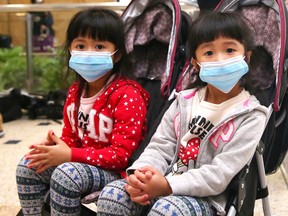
(13, 24)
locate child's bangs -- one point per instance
(214, 30)
(92, 29)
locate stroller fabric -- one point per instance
(147, 42)
(267, 33)
(155, 41)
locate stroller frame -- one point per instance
(238, 201)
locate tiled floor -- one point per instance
(26, 132)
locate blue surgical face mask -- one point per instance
(91, 65)
(223, 75)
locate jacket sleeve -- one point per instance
(213, 178)
(162, 147)
(69, 131)
(129, 109)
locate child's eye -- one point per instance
(80, 46)
(230, 50)
(99, 47)
(208, 53)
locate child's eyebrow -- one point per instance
(230, 43)
(205, 45)
(79, 40)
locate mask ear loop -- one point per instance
(193, 61)
(195, 69)
(114, 52)
(246, 59)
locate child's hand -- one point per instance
(47, 141)
(134, 184)
(146, 183)
(45, 156)
(136, 194)
(148, 171)
(133, 189)
(154, 186)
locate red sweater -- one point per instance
(117, 124)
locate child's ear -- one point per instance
(117, 57)
(195, 64)
(248, 55)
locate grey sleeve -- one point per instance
(162, 147)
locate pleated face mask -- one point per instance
(91, 65)
(225, 74)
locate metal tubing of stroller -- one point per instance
(263, 183)
(232, 210)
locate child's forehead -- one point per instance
(89, 41)
(90, 32)
(88, 38)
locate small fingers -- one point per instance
(33, 152)
(54, 137)
(42, 168)
(134, 181)
(148, 174)
(42, 142)
(140, 176)
(42, 148)
(37, 155)
(133, 191)
(142, 200)
(36, 162)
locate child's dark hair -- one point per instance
(211, 25)
(100, 24)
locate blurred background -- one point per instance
(13, 23)
(40, 71)
(33, 62)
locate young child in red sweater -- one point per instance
(104, 120)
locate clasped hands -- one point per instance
(52, 151)
(146, 184)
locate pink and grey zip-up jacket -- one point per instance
(215, 165)
(117, 124)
